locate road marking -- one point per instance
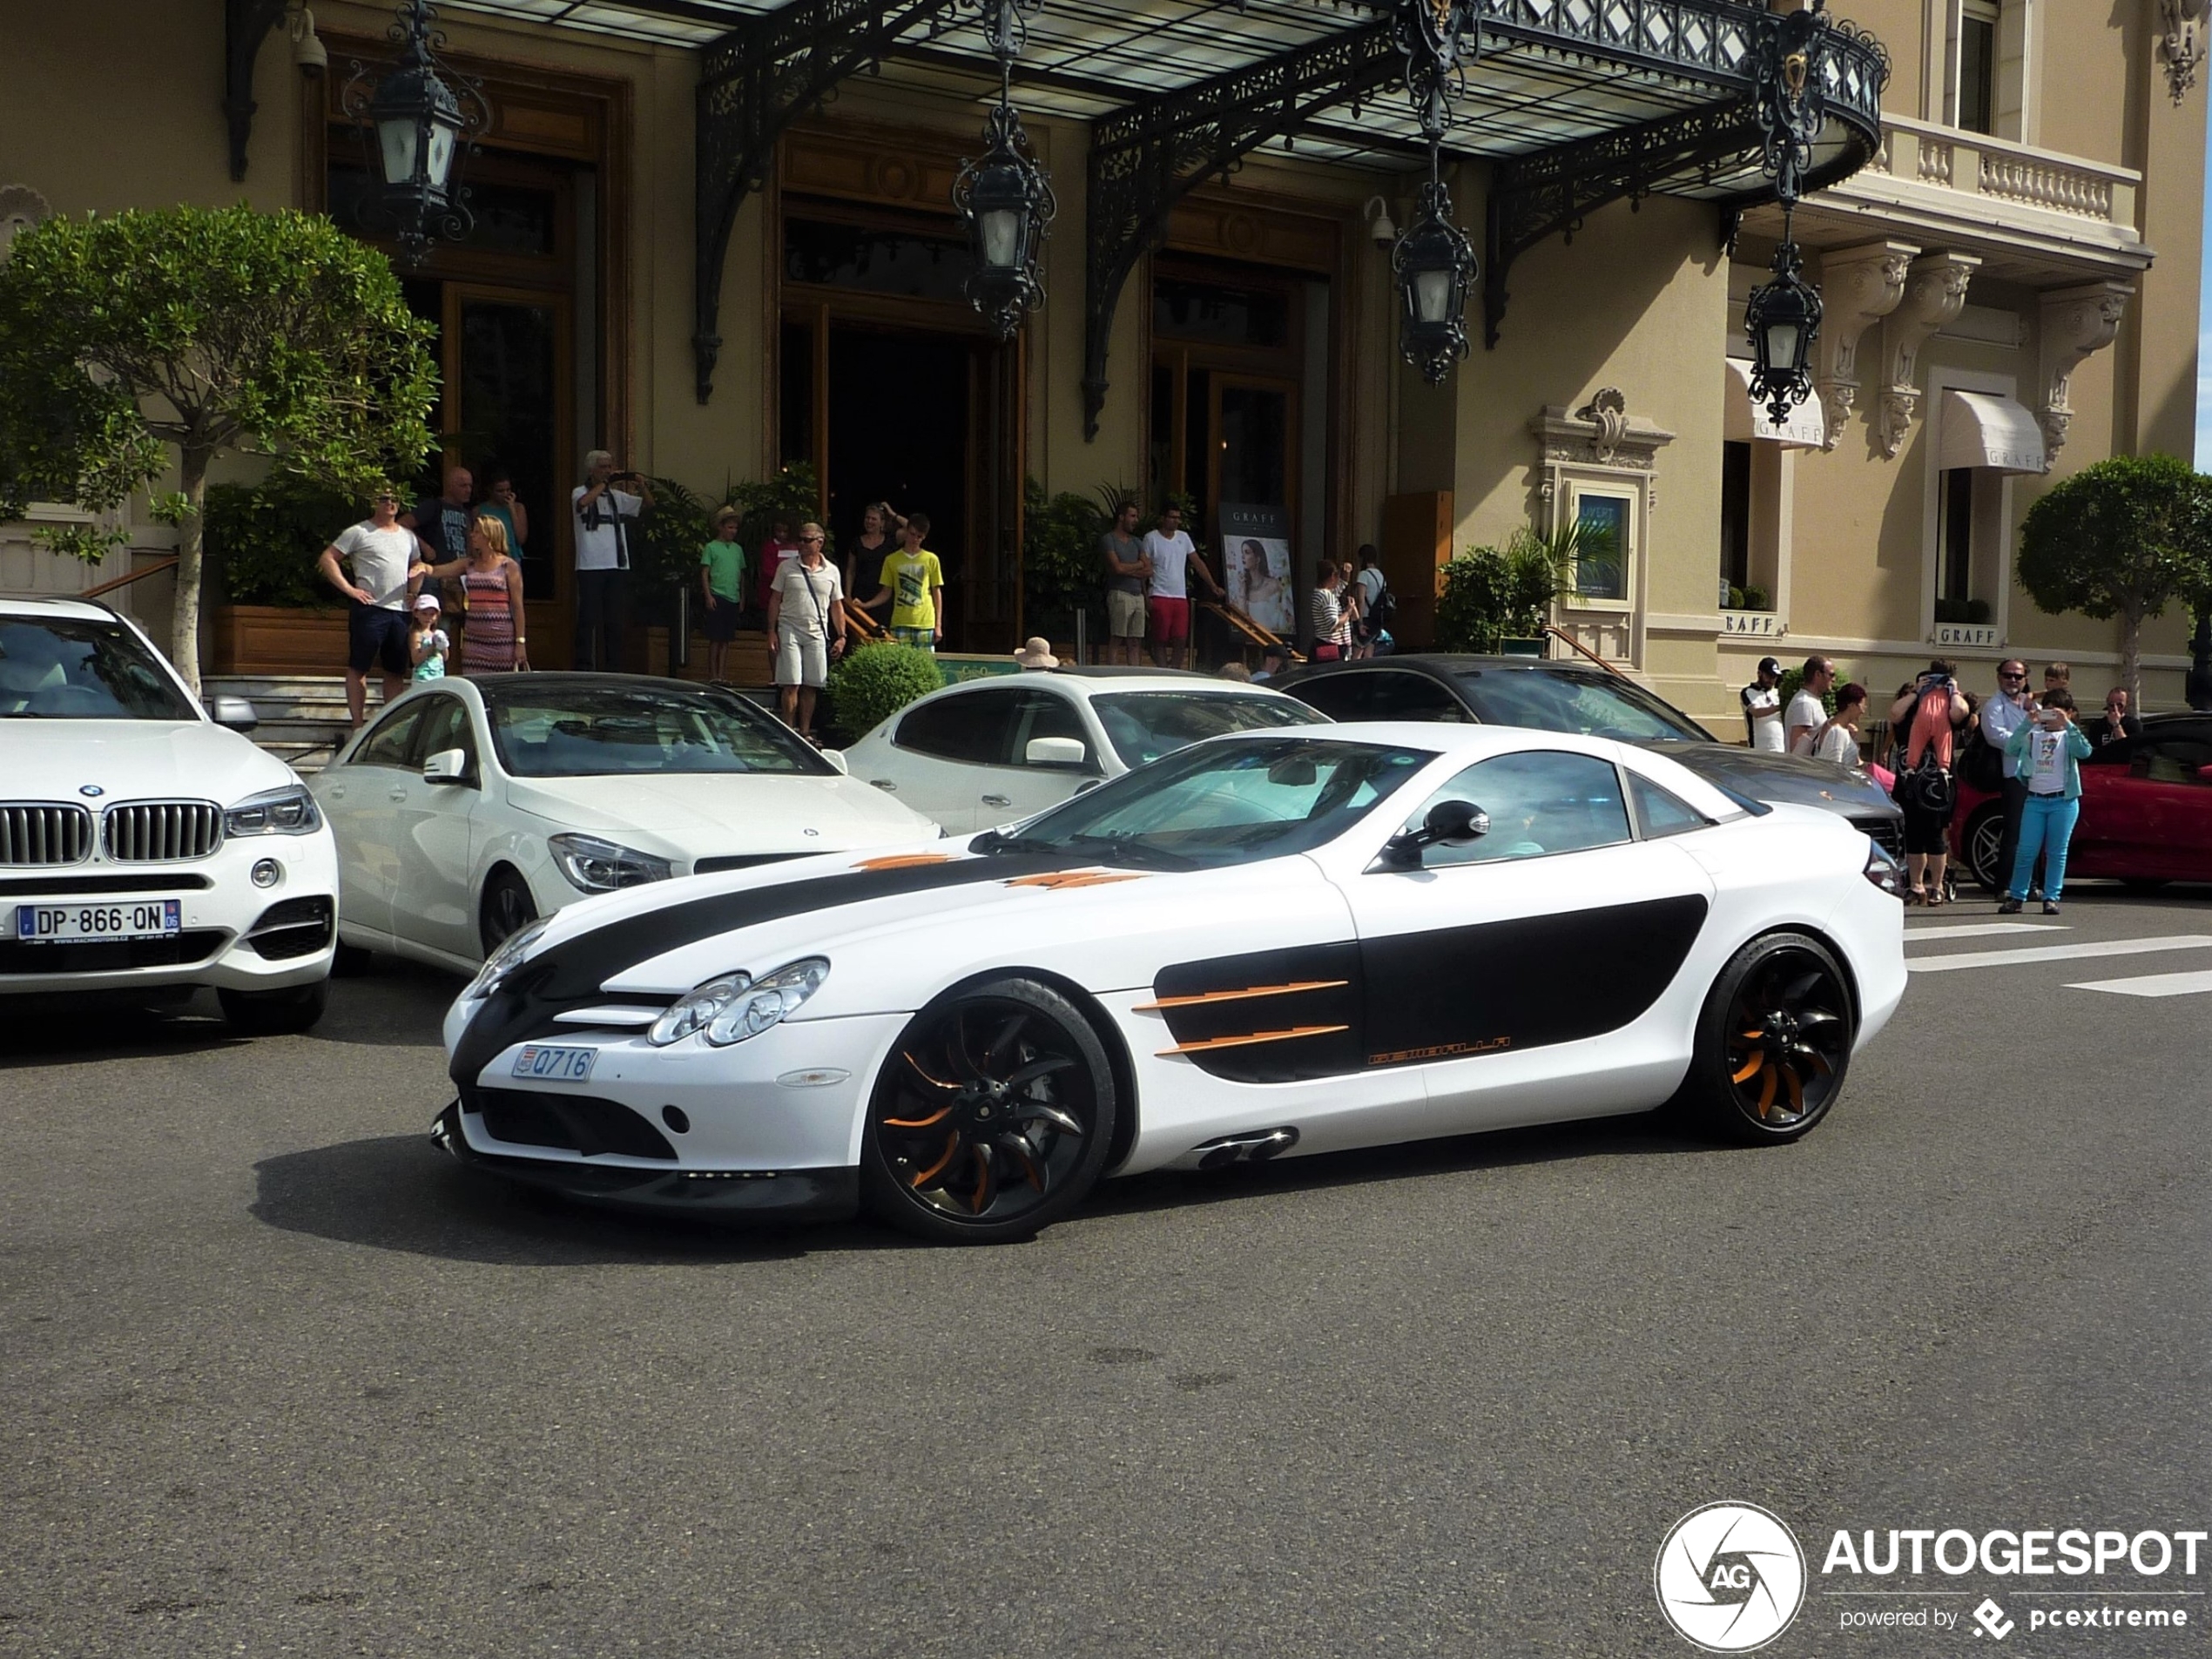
(2055, 952)
(1975, 930)
(2151, 985)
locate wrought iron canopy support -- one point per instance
(754, 82)
(245, 25)
(1147, 156)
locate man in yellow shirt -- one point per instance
(914, 582)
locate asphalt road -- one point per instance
(279, 1377)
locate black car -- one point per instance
(1592, 702)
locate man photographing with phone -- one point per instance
(606, 520)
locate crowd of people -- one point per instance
(2024, 745)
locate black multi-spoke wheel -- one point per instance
(1773, 1042)
(992, 1117)
(507, 908)
(1983, 840)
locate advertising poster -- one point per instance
(1256, 564)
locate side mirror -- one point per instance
(448, 766)
(235, 713)
(836, 757)
(1449, 823)
(1055, 751)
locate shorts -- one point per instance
(1124, 614)
(1171, 620)
(921, 638)
(720, 625)
(801, 659)
(377, 638)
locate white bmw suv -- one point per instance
(144, 849)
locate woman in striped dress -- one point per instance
(492, 640)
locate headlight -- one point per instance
(737, 1006)
(595, 866)
(1882, 869)
(287, 810)
(504, 961)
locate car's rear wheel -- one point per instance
(1773, 1042)
(1985, 840)
(268, 1013)
(992, 1117)
(507, 908)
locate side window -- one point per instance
(2172, 759)
(974, 728)
(446, 726)
(393, 741)
(1397, 696)
(1040, 714)
(1660, 812)
(1540, 803)
(1341, 697)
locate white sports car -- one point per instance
(1271, 943)
(471, 807)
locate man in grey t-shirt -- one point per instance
(386, 557)
(1127, 570)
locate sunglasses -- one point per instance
(2004, 674)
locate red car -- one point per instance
(2146, 810)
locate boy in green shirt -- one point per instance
(914, 582)
(721, 580)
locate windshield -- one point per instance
(1591, 705)
(56, 668)
(1217, 804)
(585, 731)
(1143, 725)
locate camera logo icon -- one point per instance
(1729, 1577)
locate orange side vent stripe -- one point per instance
(904, 862)
(1236, 996)
(1257, 1036)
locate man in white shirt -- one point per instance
(1167, 598)
(1809, 709)
(2001, 715)
(1762, 708)
(606, 529)
(385, 555)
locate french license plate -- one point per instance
(553, 1065)
(50, 924)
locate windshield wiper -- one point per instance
(993, 841)
(1123, 849)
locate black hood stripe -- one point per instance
(570, 974)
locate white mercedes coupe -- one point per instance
(1266, 944)
(470, 808)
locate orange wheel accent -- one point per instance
(937, 1116)
(1029, 1171)
(952, 1145)
(1766, 1090)
(1796, 1090)
(986, 1188)
(1753, 1036)
(1750, 1067)
(950, 1089)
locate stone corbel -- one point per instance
(1935, 292)
(2180, 47)
(2076, 322)
(1859, 287)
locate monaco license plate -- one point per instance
(553, 1065)
(51, 924)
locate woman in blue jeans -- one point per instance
(2047, 754)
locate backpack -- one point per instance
(1383, 611)
(1928, 786)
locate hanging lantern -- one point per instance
(1783, 320)
(417, 128)
(1434, 264)
(1006, 197)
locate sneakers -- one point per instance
(2050, 906)
(2008, 906)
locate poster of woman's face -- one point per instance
(1259, 580)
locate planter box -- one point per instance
(275, 639)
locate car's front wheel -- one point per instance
(1772, 1044)
(268, 1013)
(508, 907)
(992, 1118)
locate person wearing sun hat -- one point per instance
(427, 643)
(1036, 652)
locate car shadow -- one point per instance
(48, 1033)
(399, 1192)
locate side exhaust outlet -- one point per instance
(1253, 1147)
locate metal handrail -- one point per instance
(169, 563)
(1574, 643)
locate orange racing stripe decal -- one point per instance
(1205, 1043)
(1236, 996)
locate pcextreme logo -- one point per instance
(1729, 1577)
